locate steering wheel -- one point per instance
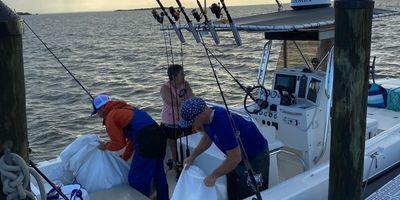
(258, 102)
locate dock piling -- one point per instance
(13, 125)
(353, 23)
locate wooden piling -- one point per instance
(13, 128)
(353, 22)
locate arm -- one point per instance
(166, 96)
(116, 120)
(128, 150)
(203, 145)
(233, 158)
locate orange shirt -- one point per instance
(117, 115)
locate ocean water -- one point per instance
(123, 54)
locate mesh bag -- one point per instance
(393, 99)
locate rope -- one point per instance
(15, 177)
(373, 157)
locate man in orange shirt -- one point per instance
(130, 127)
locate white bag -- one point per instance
(191, 186)
(93, 168)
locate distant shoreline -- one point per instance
(119, 10)
(23, 13)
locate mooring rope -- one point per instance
(15, 177)
(373, 158)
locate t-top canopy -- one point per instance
(288, 20)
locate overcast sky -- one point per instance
(57, 6)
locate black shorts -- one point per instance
(175, 132)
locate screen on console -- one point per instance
(285, 82)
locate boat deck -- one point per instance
(389, 191)
(385, 118)
(121, 192)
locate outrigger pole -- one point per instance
(209, 24)
(235, 32)
(189, 22)
(177, 31)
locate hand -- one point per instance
(209, 181)
(102, 146)
(188, 161)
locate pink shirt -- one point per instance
(166, 113)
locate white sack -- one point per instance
(93, 168)
(191, 186)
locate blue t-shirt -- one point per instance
(221, 133)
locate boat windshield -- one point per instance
(304, 54)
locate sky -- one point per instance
(61, 6)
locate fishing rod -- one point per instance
(254, 183)
(189, 22)
(279, 5)
(261, 103)
(209, 24)
(87, 92)
(179, 165)
(177, 31)
(57, 189)
(235, 32)
(183, 131)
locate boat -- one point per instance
(296, 121)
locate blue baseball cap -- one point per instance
(191, 108)
(99, 101)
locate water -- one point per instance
(123, 54)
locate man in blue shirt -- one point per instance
(214, 123)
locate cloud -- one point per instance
(56, 6)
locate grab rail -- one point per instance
(303, 163)
(328, 92)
